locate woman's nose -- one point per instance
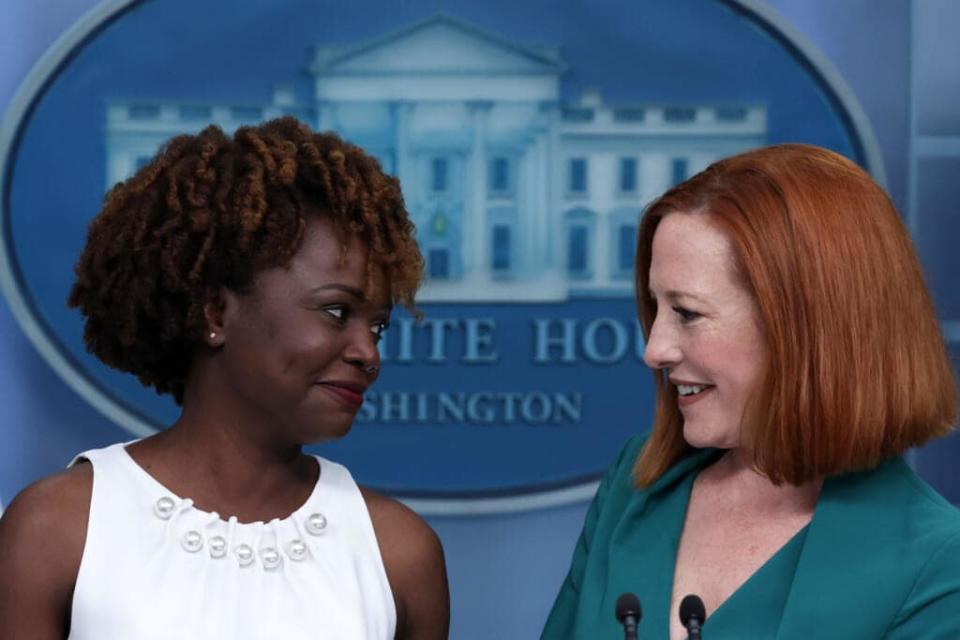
(361, 350)
(663, 349)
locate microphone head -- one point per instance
(628, 605)
(692, 607)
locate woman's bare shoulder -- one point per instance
(398, 520)
(46, 523)
(42, 534)
(413, 557)
(61, 496)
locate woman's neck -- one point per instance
(227, 461)
(742, 486)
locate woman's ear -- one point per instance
(213, 313)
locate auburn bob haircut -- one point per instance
(856, 368)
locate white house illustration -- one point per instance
(517, 195)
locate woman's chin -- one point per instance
(700, 440)
(328, 434)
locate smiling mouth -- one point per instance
(691, 389)
(689, 393)
(351, 396)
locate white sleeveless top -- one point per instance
(155, 567)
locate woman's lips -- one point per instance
(351, 396)
(685, 401)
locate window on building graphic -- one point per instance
(628, 175)
(679, 114)
(439, 264)
(578, 175)
(577, 114)
(679, 170)
(246, 114)
(438, 174)
(626, 246)
(438, 224)
(501, 247)
(500, 175)
(195, 112)
(144, 111)
(577, 254)
(629, 114)
(731, 114)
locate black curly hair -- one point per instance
(209, 212)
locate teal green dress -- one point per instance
(879, 559)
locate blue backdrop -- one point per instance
(505, 569)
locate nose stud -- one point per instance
(370, 369)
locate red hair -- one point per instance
(856, 368)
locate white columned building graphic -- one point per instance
(517, 195)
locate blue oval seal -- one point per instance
(526, 153)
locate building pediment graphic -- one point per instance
(517, 194)
(467, 50)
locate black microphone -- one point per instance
(692, 616)
(628, 614)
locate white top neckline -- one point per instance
(159, 488)
(156, 568)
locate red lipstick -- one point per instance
(350, 393)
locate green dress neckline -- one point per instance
(880, 558)
(657, 526)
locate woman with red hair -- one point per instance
(797, 356)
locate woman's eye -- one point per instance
(338, 312)
(377, 329)
(685, 314)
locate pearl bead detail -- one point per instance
(192, 541)
(316, 524)
(270, 557)
(297, 550)
(163, 508)
(244, 554)
(218, 546)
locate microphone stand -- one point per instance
(692, 616)
(628, 614)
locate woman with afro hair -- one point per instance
(250, 278)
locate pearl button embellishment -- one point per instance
(218, 546)
(244, 554)
(192, 541)
(297, 550)
(270, 558)
(316, 524)
(164, 507)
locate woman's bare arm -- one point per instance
(42, 534)
(413, 557)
